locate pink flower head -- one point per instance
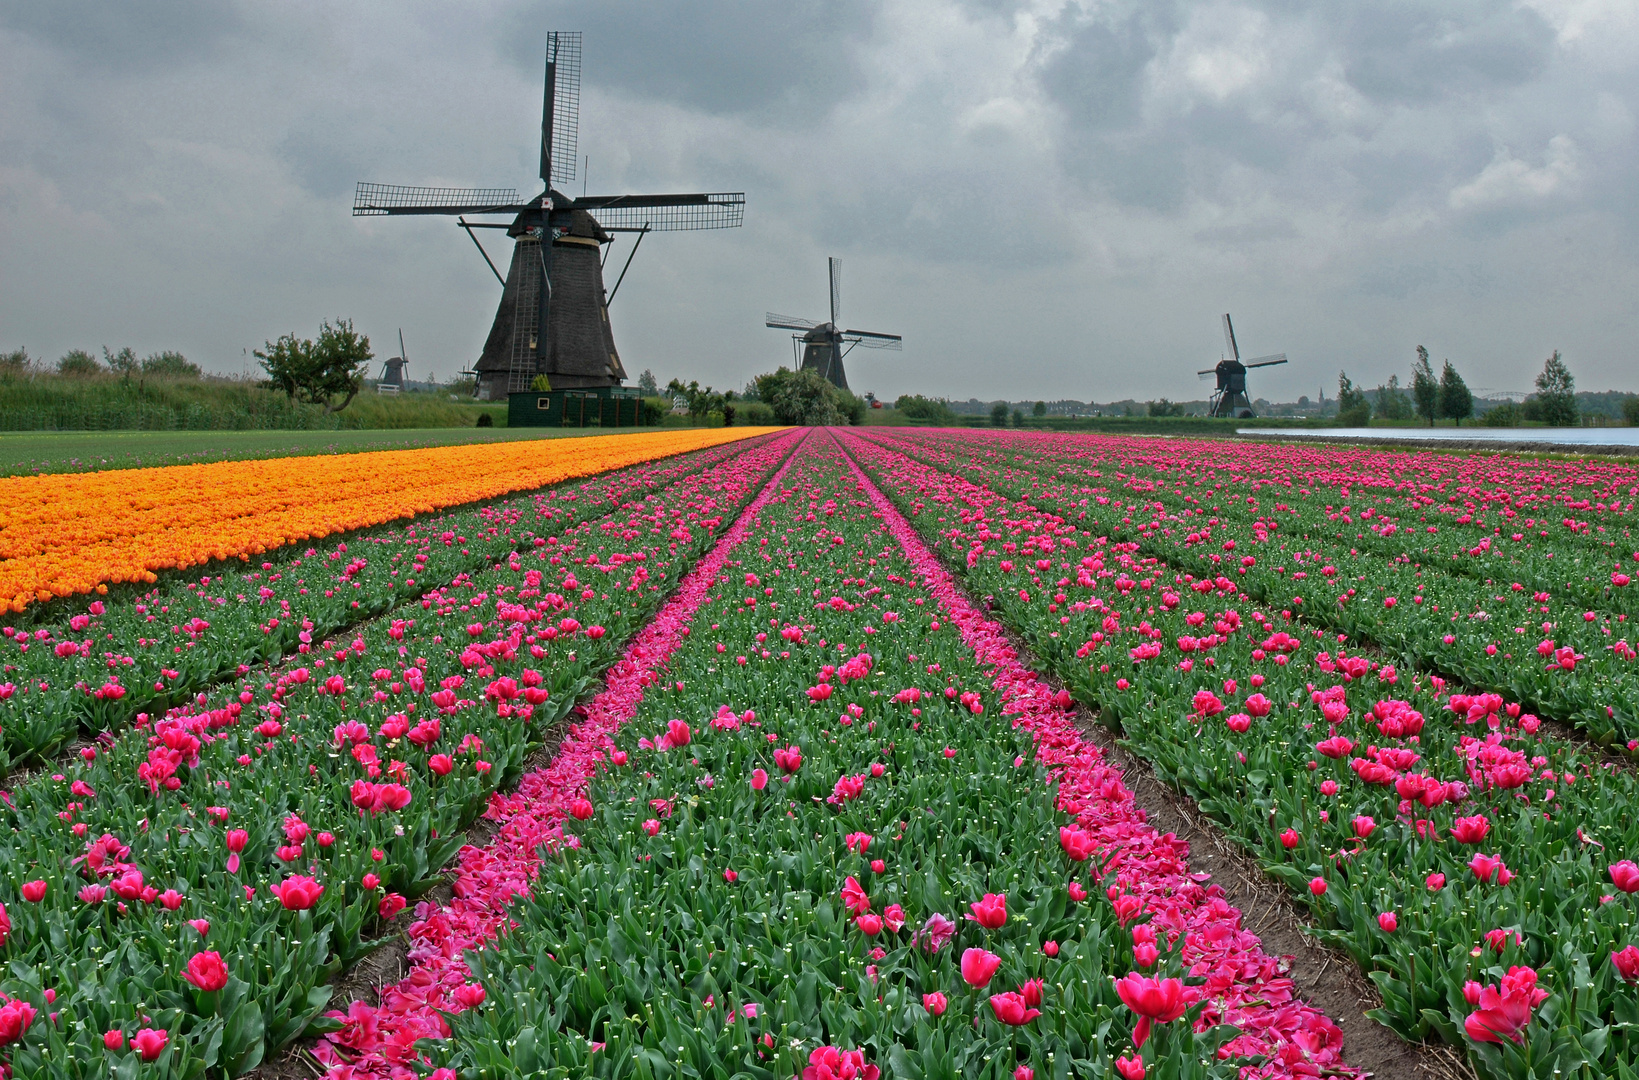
(297, 893)
(979, 967)
(1154, 1000)
(1010, 1008)
(1505, 1011)
(1489, 868)
(853, 896)
(1077, 844)
(935, 933)
(1470, 830)
(1626, 963)
(1625, 876)
(207, 971)
(991, 912)
(149, 1043)
(935, 1003)
(829, 1063)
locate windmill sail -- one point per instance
(371, 200)
(1230, 397)
(560, 116)
(823, 344)
(553, 319)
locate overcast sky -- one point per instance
(1053, 199)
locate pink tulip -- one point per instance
(979, 967)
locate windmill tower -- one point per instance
(555, 280)
(1229, 399)
(395, 370)
(823, 344)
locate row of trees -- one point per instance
(1448, 397)
(77, 363)
(318, 372)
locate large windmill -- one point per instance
(823, 344)
(1229, 399)
(578, 350)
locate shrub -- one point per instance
(802, 397)
(485, 420)
(1505, 415)
(170, 365)
(1630, 410)
(917, 407)
(78, 363)
(16, 362)
(756, 414)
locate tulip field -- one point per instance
(776, 753)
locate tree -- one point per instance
(170, 365)
(1556, 393)
(801, 397)
(1392, 402)
(1630, 410)
(1353, 410)
(123, 362)
(1424, 390)
(1040, 409)
(16, 362)
(998, 414)
(78, 363)
(646, 384)
(1455, 400)
(541, 384)
(316, 371)
(917, 407)
(1163, 407)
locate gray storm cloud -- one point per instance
(1049, 199)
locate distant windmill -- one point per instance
(579, 348)
(395, 371)
(1229, 399)
(822, 343)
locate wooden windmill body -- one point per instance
(555, 279)
(824, 344)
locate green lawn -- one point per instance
(28, 453)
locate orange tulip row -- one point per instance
(72, 533)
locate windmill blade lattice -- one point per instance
(667, 213)
(370, 200)
(836, 289)
(563, 89)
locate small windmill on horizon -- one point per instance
(822, 343)
(1229, 398)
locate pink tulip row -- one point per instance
(1150, 877)
(375, 1040)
